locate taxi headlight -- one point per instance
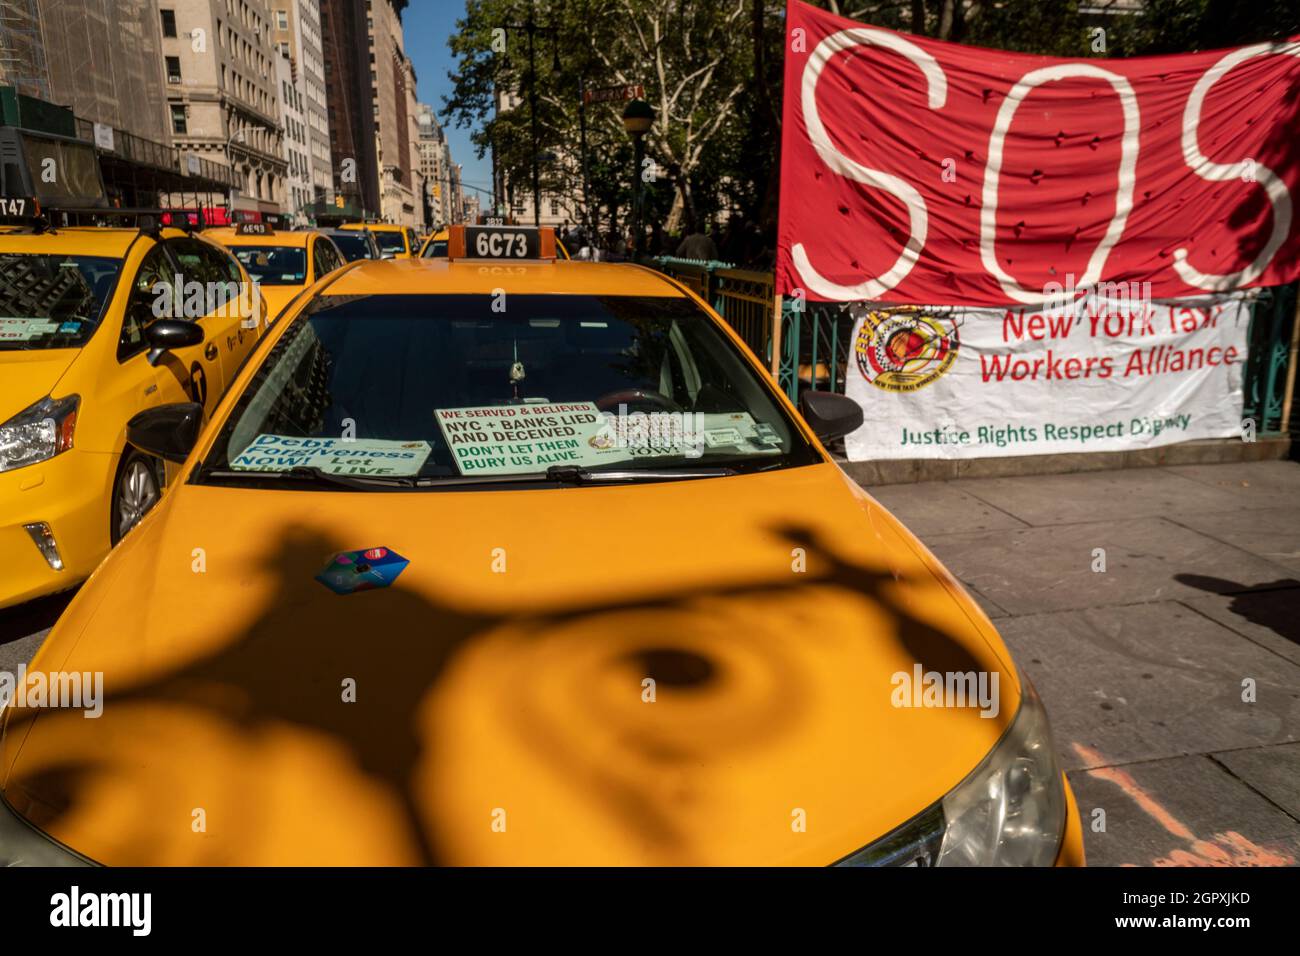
(21, 844)
(1009, 811)
(38, 432)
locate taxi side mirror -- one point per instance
(168, 432)
(830, 415)
(164, 335)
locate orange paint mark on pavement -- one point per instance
(1226, 849)
(1125, 782)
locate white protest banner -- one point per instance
(516, 439)
(1083, 374)
(334, 456)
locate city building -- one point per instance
(22, 54)
(296, 30)
(299, 195)
(102, 61)
(222, 94)
(392, 80)
(350, 96)
(435, 166)
(472, 209)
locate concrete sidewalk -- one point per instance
(1143, 665)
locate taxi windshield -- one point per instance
(436, 249)
(273, 265)
(53, 302)
(353, 245)
(390, 241)
(461, 389)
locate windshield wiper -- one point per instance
(309, 475)
(578, 475)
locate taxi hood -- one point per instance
(27, 377)
(691, 672)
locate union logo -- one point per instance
(905, 348)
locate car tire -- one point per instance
(136, 489)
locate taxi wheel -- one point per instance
(136, 490)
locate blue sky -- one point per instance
(426, 26)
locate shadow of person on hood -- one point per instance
(288, 665)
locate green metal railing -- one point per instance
(816, 337)
(741, 297)
(1269, 338)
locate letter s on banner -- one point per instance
(1124, 191)
(1204, 167)
(937, 96)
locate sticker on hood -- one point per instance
(365, 570)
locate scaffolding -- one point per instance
(22, 54)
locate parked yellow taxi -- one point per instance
(281, 263)
(395, 242)
(435, 246)
(507, 560)
(93, 329)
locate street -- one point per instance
(1141, 665)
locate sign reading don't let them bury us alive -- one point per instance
(1084, 375)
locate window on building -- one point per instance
(173, 69)
(281, 20)
(179, 126)
(169, 23)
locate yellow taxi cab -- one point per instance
(510, 560)
(435, 246)
(281, 263)
(395, 242)
(96, 325)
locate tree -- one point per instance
(692, 56)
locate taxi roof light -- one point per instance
(501, 243)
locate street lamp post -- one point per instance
(230, 190)
(532, 28)
(638, 118)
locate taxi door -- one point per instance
(191, 374)
(230, 319)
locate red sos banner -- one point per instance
(919, 171)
